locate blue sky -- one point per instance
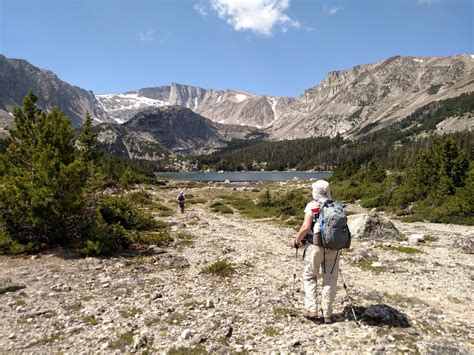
(273, 47)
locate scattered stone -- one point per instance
(294, 343)
(35, 257)
(172, 261)
(414, 239)
(376, 264)
(361, 255)
(186, 334)
(464, 244)
(153, 250)
(140, 341)
(209, 303)
(6, 285)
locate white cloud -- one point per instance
(259, 16)
(334, 10)
(147, 36)
(201, 9)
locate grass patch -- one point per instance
(185, 239)
(411, 260)
(281, 312)
(20, 302)
(48, 339)
(431, 238)
(194, 201)
(219, 207)
(90, 320)
(175, 318)
(222, 268)
(131, 313)
(152, 321)
(408, 250)
(271, 331)
(367, 265)
(183, 350)
(123, 339)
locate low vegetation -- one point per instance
(222, 268)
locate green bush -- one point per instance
(121, 210)
(106, 240)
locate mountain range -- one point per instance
(347, 102)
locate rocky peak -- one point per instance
(17, 76)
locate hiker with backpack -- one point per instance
(324, 233)
(181, 199)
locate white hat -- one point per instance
(321, 190)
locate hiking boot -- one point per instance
(310, 314)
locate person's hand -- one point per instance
(296, 244)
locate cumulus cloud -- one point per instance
(147, 36)
(259, 16)
(334, 10)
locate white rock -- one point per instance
(209, 303)
(186, 334)
(376, 264)
(414, 239)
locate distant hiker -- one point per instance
(181, 199)
(316, 255)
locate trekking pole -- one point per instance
(349, 298)
(294, 274)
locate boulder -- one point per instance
(464, 244)
(373, 227)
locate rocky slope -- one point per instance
(156, 130)
(18, 76)
(162, 300)
(222, 106)
(348, 100)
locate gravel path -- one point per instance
(157, 303)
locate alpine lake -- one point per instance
(245, 176)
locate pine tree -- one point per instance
(87, 141)
(41, 192)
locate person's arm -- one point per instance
(305, 228)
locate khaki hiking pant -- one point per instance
(313, 261)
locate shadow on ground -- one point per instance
(375, 315)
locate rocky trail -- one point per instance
(162, 302)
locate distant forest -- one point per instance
(392, 145)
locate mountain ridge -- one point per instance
(348, 102)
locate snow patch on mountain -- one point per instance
(121, 107)
(240, 97)
(273, 101)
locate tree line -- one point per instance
(53, 188)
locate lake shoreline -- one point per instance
(245, 176)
